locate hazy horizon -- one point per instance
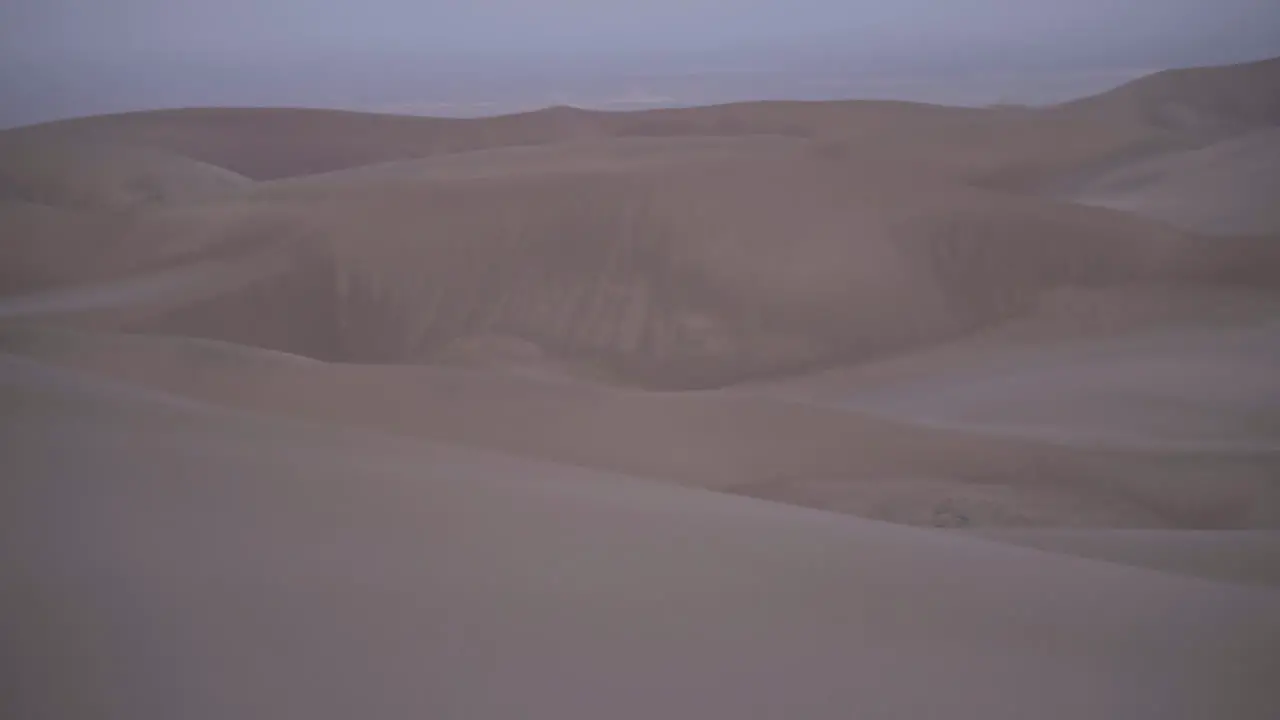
(64, 58)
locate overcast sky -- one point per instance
(117, 42)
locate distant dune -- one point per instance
(1209, 101)
(275, 143)
(325, 414)
(601, 155)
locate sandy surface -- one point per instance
(102, 175)
(668, 276)
(1203, 388)
(759, 445)
(1227, 187)
(1249, 557)
(850, 409)
(368, 576)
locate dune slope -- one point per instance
(365, 577)
(1226, 188)
(106, 175)
(698, 273)
(833, 458)
(329, 415)
(1251, 558)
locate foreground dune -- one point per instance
(370, 577)
(1244, 557)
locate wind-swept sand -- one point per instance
(601, 155)
(1228, 187)
(365, 576)
(104, 175)
(866, 463)
(320, 414)
(1206, 388)
(1207, 101)
(1249, 557)
(670, 276)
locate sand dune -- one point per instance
(102, 268)
(1209, 388)
(670, 276)
(1065, 319)
(269, 144)
(643, 247)
(1210, 101)
(1226, 188)
(1165, 370)
(103, 175)
(1021, 149)
(366, 576)
(677, 278)
(659, 262)
(608, 155)
(999, 147)
(1251, 558)
(324, 414)
(856, 462)
(1006, 144)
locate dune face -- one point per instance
(648, 245)
(486, 587)
(823, 410)
(854, 455)
(1213, 100)
(106, 176)
(669, 277)
(1226, 188)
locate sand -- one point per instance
(1225, 188)
(1250, 558)
(850, 409)
(370, 576)
(666, 276)
(81, 174)
(763, 446)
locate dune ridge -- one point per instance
(78, 174)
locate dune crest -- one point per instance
(101, 175)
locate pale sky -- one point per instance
(59, 52)
(598, 25)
